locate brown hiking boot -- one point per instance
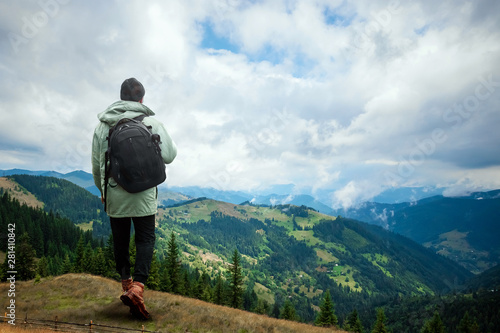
(133, 298)
(126, 284)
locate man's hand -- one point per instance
(102, 200)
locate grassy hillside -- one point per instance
(79, 298)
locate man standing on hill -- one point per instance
(124, 207)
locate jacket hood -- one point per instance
(123, 109)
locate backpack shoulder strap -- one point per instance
(140, 118)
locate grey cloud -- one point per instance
(485, 12)
(482, 151)
(13, 144)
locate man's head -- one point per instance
(132, 90)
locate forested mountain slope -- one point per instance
(66, 199)
(297, 253)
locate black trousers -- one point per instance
(144, 243)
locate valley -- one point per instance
(290, 254)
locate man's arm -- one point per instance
(96, 160)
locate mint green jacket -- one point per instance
(119, 202)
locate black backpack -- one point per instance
(134, 156)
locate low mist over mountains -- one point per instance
(465, 229)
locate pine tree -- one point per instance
(475, 327)
(207, 295)
(109, 256)
(165, 283)
(236, 282)
(54, 265)
(38, 240)
(184, 283)
(173, 264)
(219, 290)
(379, 326)
(80, 252)
(87, 263)
(353, 323)
(199, 287)
(42, 267)
(465, 325)
(262, 307)
(250, 297)
(326, 316)
(66, 265)
(100, 265)
(434, 325)
(276, 310)
(25, 254)
(153, 281)
(288, 311)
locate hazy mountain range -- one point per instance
(275, 194)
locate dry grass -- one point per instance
(16, 191)
(79, 298)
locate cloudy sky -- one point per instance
(347, 97)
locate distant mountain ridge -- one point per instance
(78, 177)
(463, 228)
(275, 194)
(234, 197)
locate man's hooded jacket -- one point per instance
(119, 202)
